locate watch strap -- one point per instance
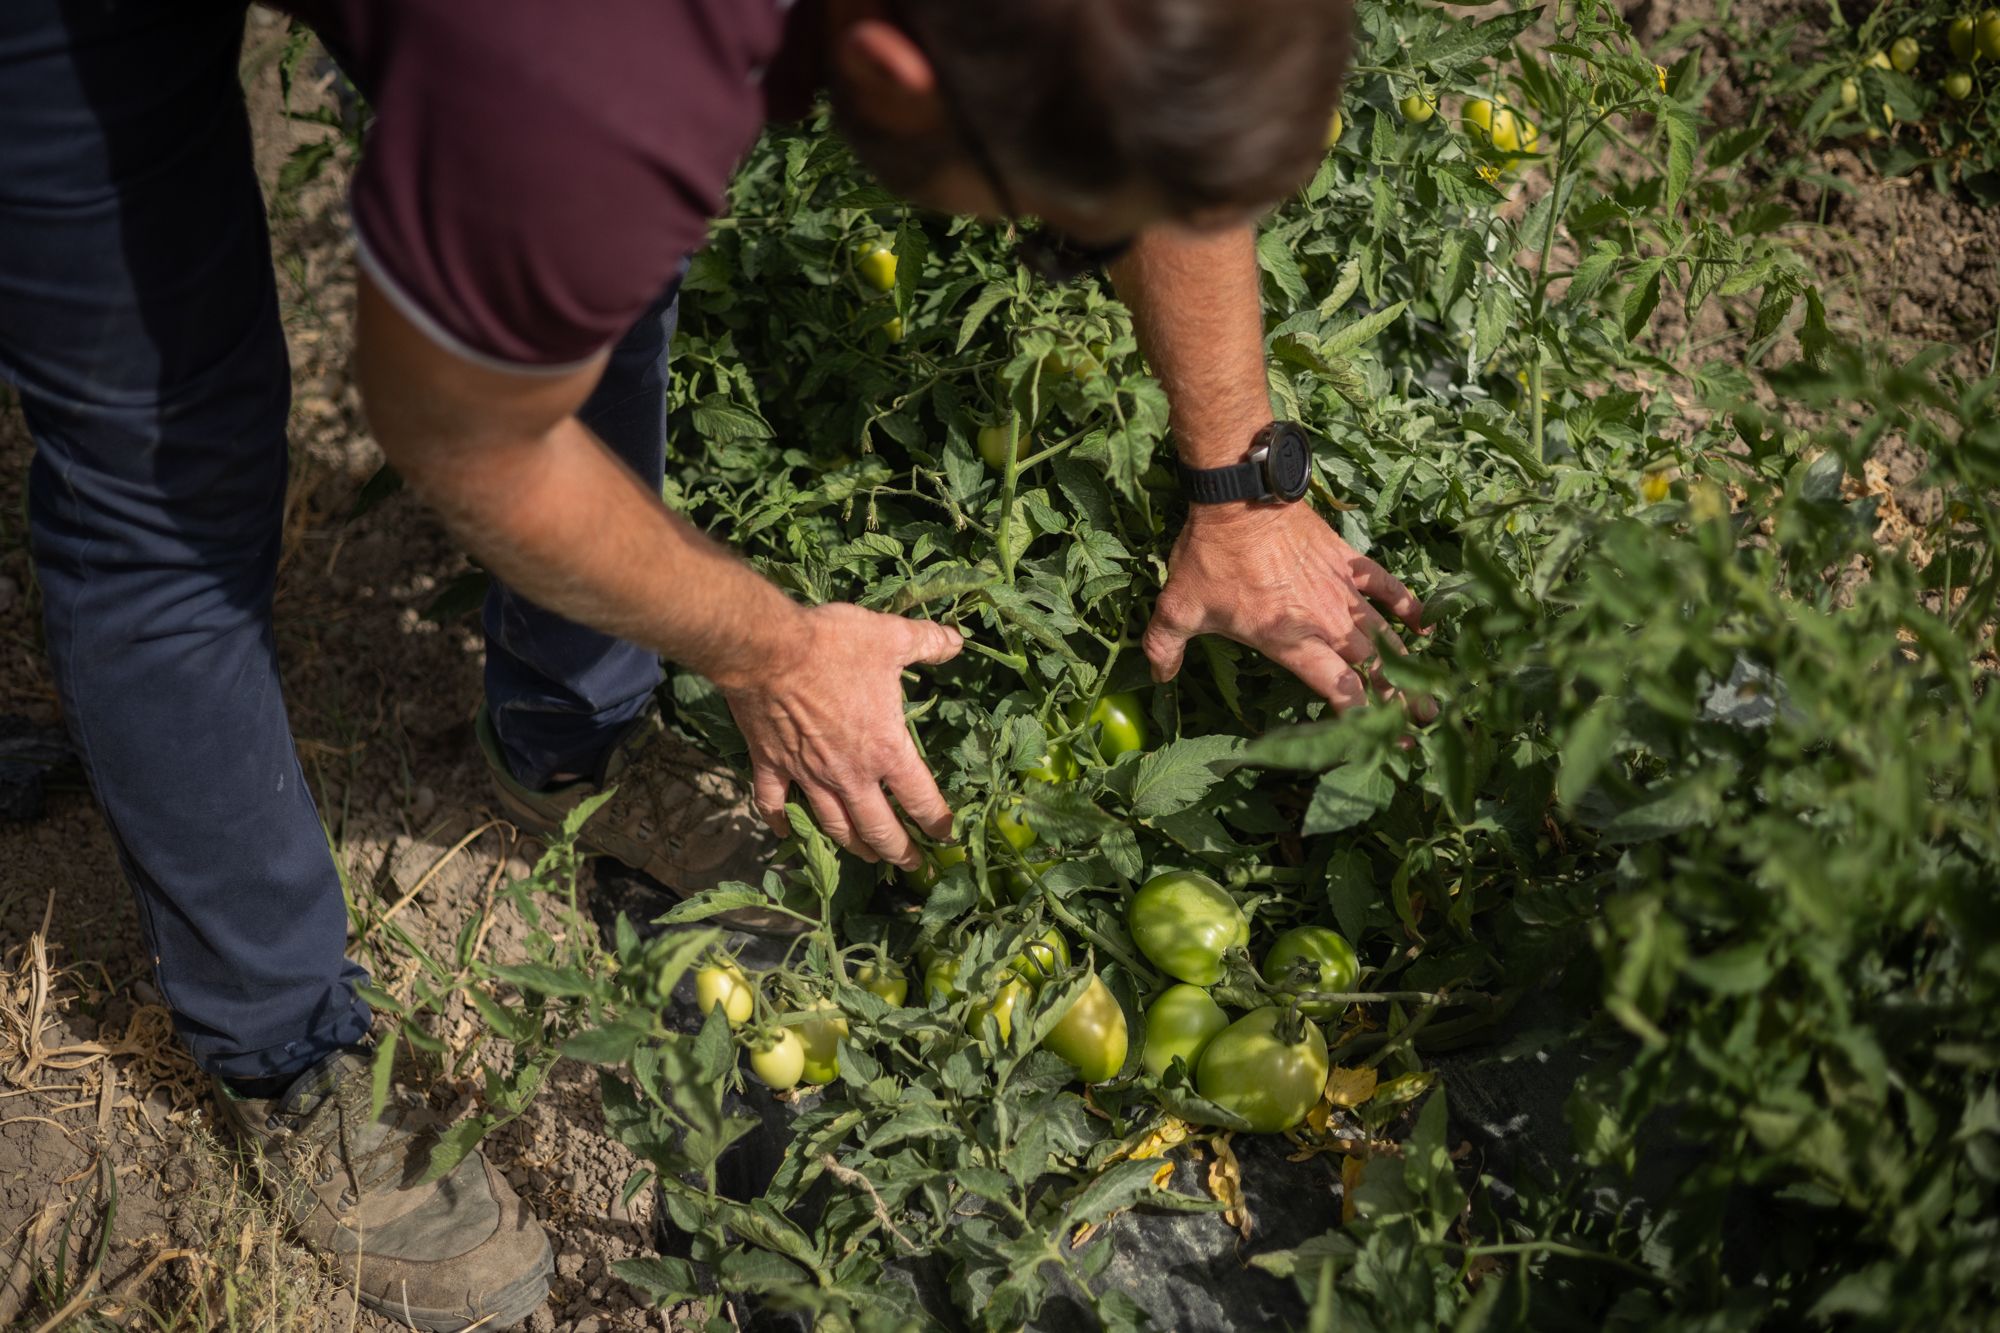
(1220, 485)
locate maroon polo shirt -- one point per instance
(537, 169)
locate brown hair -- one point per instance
(1211, 104)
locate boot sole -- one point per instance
(508, 1307)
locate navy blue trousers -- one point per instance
(139, 324)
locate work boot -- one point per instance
(453, 1254)
(678, 815)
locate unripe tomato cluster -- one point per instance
(1268, 1066)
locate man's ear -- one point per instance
(891, 78)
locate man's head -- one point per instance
(1101, 116)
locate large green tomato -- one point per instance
(1121, 723)
(1092, 1034)
(1986, 37)
(1184, 922)
(1181, 1022)
(1270, 1083)
(1330, 956)
(926, 876)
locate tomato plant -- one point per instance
(1711, 780)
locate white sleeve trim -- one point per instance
(406, 305)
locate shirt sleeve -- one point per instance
(530, 185)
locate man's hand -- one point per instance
(828, 717)
(1278, 579)
(1275, 577)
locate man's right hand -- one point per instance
(828, 718)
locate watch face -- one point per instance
(1290, 463)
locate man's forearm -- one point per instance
(560, 519)
(1199, 316)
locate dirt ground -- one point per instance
(106, 1131)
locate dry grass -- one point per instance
(216, 1259)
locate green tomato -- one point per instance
(993, 442)
(878, 267)
(926, 876)
(1986, 37)
(884, 979)
(1120, 721)
(820, 1039)
(1958, 85)
(1903, 53)
(1184, 922)
(1021, 883)
(1417, 108)
(1042, 959)
(1335, 128)
(1850, 93)
(1181, 1022)
(724, 984)
(1271, 1083)
(941, 979)
(1331, 959)
(1015, 830)
(1091, 1034)
(1058, 765)
(1962, 36)
(779, 1065)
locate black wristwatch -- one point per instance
(1279, 468)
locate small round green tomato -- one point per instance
(1850, 93)
(1958, 85)
(1961, 36)
(1903, 53)
(1058, 765)
(885, 979)
(1041, 959)
(1270, 1083)
(1021, 883)
(993, 442)
(878, 267)
(821, 1041)
(1092, 1034)
(1184, 922)
(1015, 830)
(926, 876)
(780, 1065)
(941, 979)
(1332, 959)
(1120, 721)
(1417, 108)
(1181, 1022)
(725, 985)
